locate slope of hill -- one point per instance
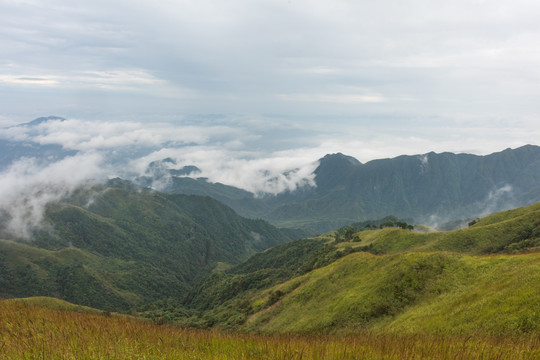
(486, 278)
(436, 293)
(55, 304)
(31, 332)
(113, 248)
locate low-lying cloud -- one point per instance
(262, 156)
(27, 186)
(272, 174)
(125, 149)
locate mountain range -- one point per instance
(442, 190)
(432, 189)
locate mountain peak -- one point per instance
(339, 157)
(333, 168)
(41, 120)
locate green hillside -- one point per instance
(438, 293)
(72, 274)
(194, 261)
(484, 279)
(55, 304)
(113, 248)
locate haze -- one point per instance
(275, 80)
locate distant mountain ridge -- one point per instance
(11, 150)
(425, 187)
(41, 120)
(430, 188)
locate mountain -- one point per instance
(112, 248)
(11, 150)
(430, 188)
(479, 280)
(42, 120)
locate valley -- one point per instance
(170, 266)
(292, 180)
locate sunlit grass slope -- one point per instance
(507, 232)
(387, 280)
(416, 293)
(56, 304)
(30, 332)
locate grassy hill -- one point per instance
(55, 304)
(484, 279)
(386, 294)
(32, 332)
(436, 293)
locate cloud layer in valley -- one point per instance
(261, 155)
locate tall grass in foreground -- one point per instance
(28, 332)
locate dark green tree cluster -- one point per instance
(350, 232)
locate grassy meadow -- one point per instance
(409, 293)
(37, 332)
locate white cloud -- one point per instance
(27, 186)
(333, 98)
(95, 135)
(117, 80)
(28, 80)
(290, 81)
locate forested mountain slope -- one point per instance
(113, 248)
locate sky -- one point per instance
(254, 92)
(274, 83)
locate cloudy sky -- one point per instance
(253, 92)
(273, 78)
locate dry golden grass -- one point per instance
(30, 332)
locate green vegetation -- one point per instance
(113, 248)
(350, 232)
(374, 288)
(29, 332)
(381, 281)
(414, 293)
